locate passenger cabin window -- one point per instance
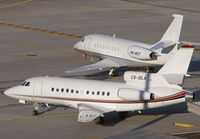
(72, 91)
(57, 90)
(62, 90)
(67, 90)
(52, 89)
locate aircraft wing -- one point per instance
(105, 63)
(88, 112)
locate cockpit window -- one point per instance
(83, 39)
(25, 83)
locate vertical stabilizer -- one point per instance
(176, 68)
(174, 30)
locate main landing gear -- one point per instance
(113, 72)
(99, 120)
(36, 108)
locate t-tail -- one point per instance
(170, 39)
(176, 68)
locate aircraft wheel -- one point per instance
(35, 112)
(123, 115)
(113, 72)
(99, 120)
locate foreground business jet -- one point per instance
(112, 52)
(93, 98)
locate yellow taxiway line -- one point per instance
(41, 30)
(15, 4)
(184, 125)
(99, 137)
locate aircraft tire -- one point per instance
(34, 112)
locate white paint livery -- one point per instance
(129, 53)
(93, 98)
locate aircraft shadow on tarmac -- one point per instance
(51, 108)
(194, 66)
(112, 118)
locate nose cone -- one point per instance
(77, 46)
(8, 92)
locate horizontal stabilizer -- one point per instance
(196, 44)
(106, 63)
(164, 47)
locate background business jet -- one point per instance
(112, 52)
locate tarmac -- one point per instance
(37, 38)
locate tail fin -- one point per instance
(174, 30)
(169, 41)
(176, 68)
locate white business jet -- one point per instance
(112, 52)
(94, 98)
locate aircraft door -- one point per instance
(37, 92)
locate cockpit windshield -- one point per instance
(25, 83)
(83, 39)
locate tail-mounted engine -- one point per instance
(141, 53)
(134, 94)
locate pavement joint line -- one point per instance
(15, 4)
(176, 129)
(50, 49)
(31, 55)
(39, 117)
(41, 30)
(191, 132)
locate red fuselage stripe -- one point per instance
(180, 95)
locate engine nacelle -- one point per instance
(189, 97)
(141, 53)
(134, 94)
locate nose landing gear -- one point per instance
(36, 108)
